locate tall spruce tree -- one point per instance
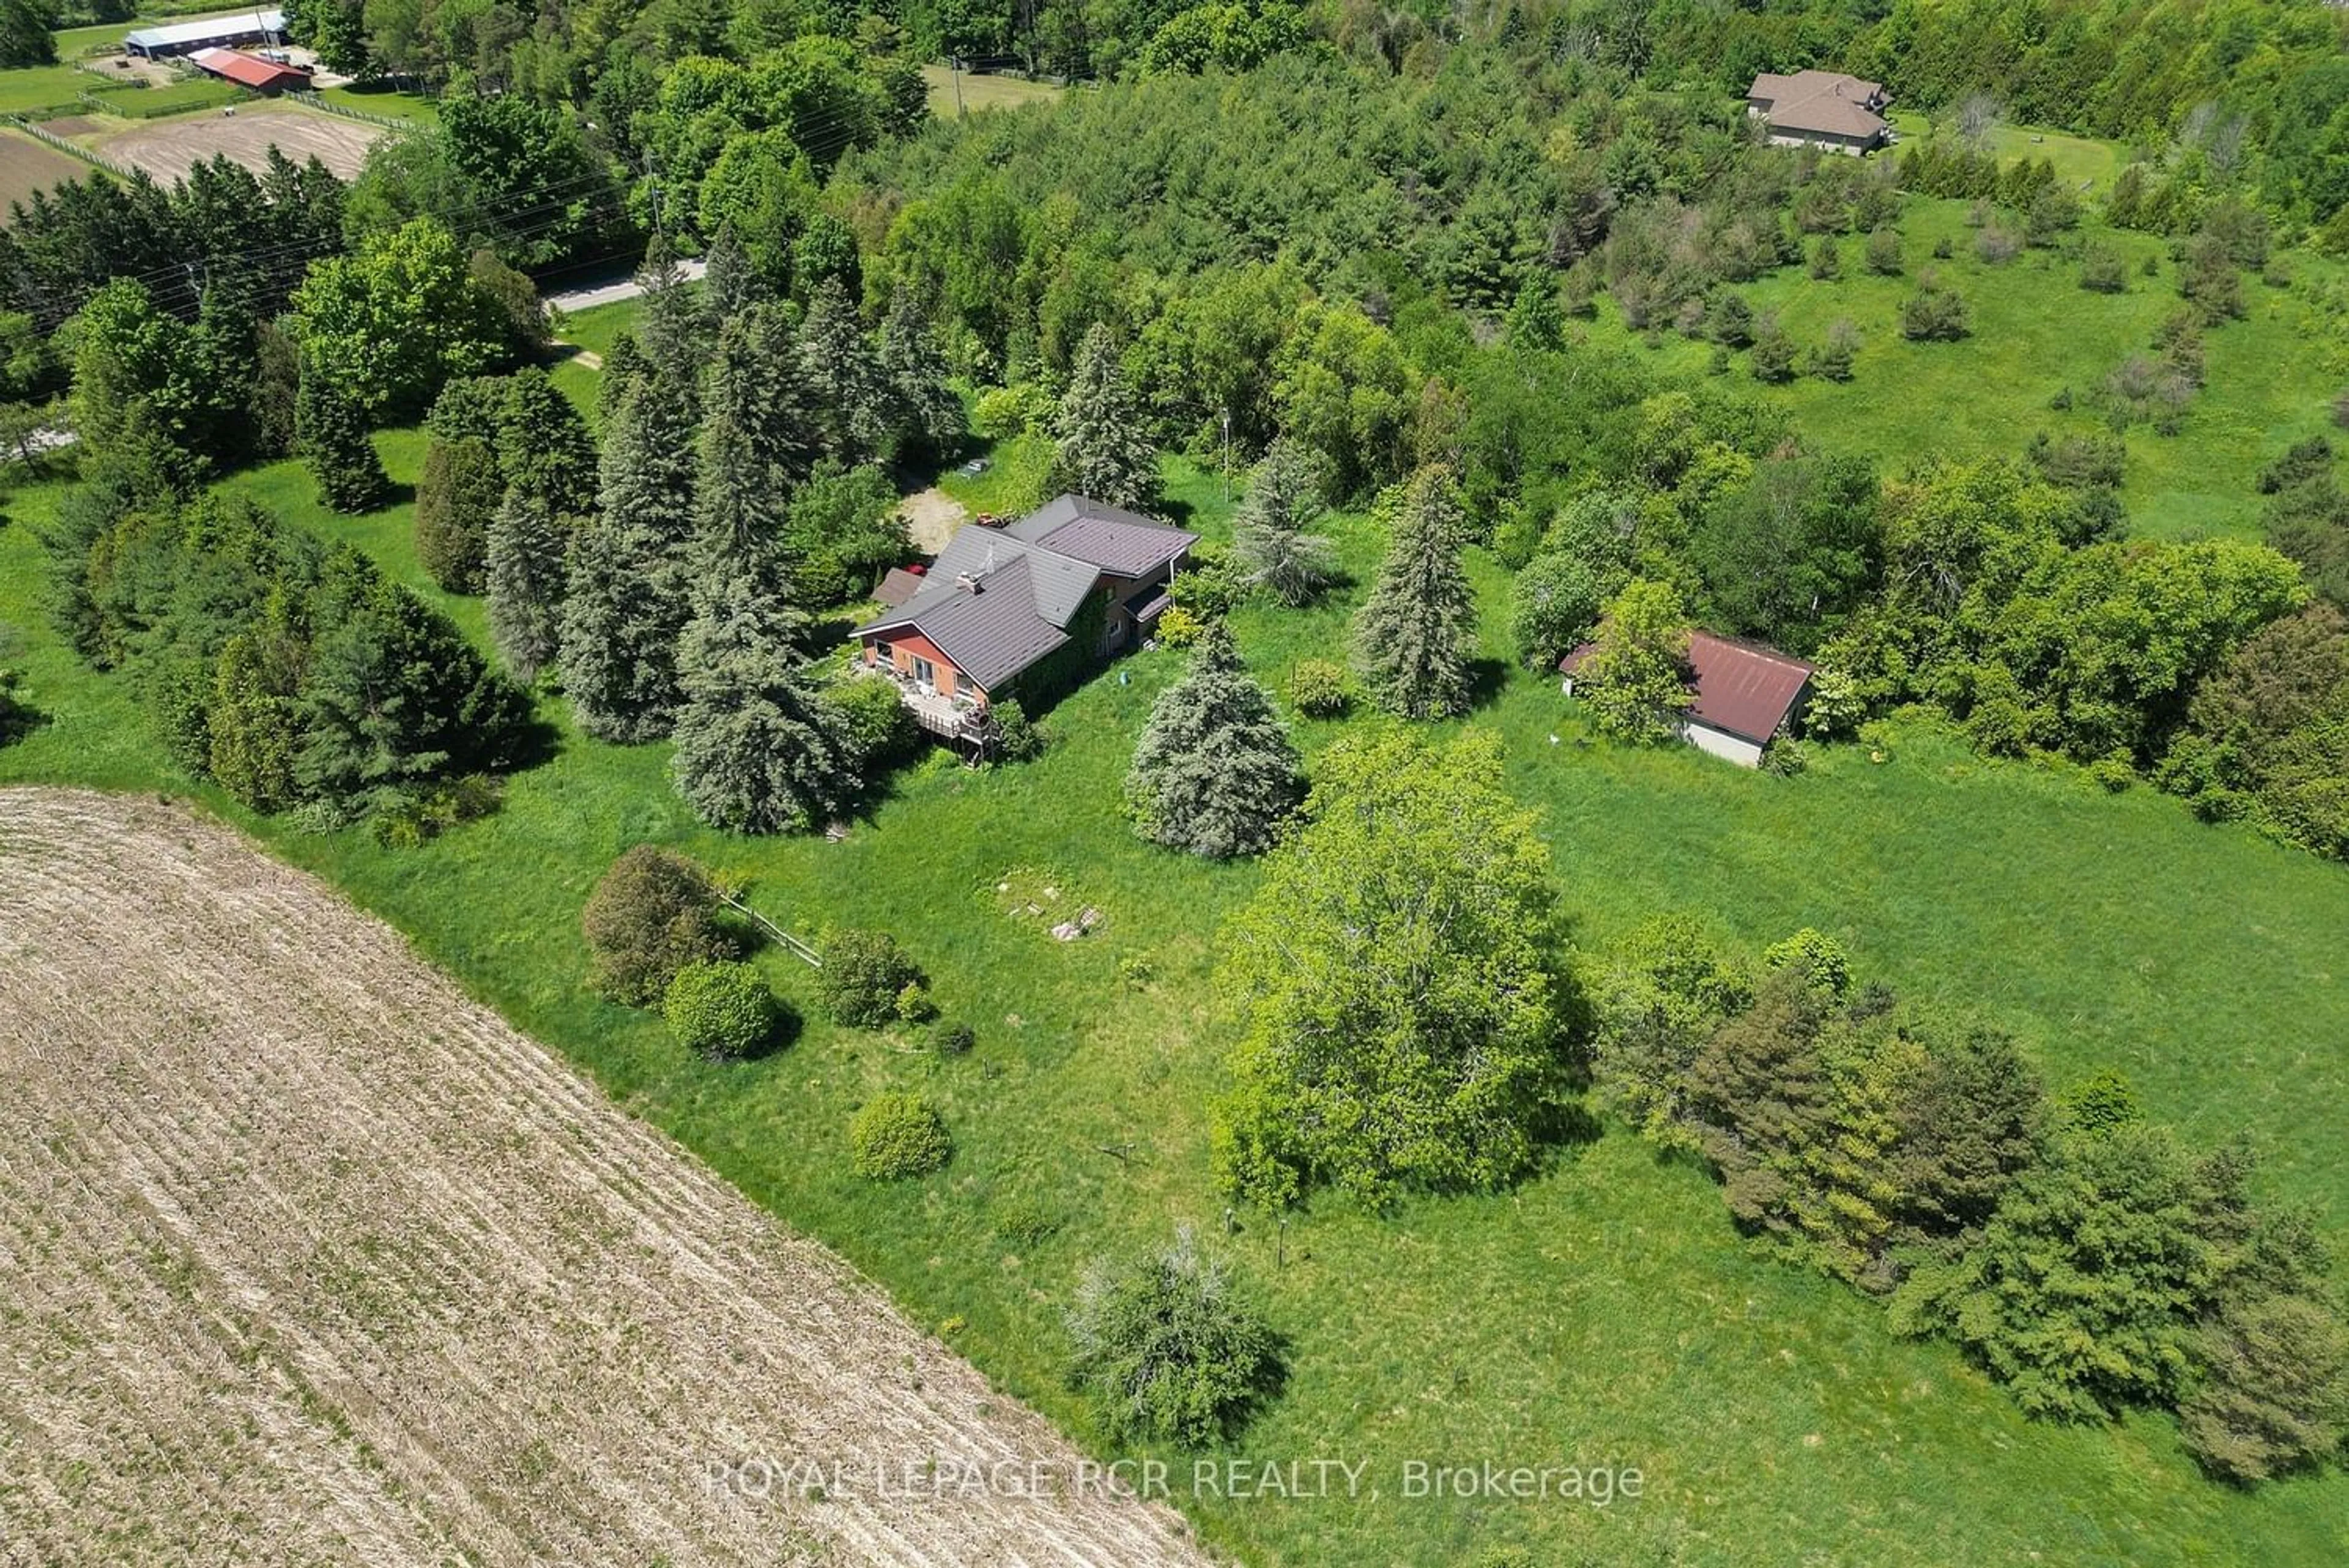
(628, 593)
(1216, 773)
(733, 285)
(544, 449)
(1414, 636)
(334, 439)
(456, 495)
(851, 392)
(670, 327)
(928, 416)
(759, 750)
(625, 368)
(525, 584)
(1271, 533)
(1104, 449)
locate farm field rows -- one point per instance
(168, 148)
(27, 166)
(312, 1259)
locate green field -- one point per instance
(2080, 162)
(1605, 1313)
(383, 100)
(2036, 333)
(979, 92)
(37, 89)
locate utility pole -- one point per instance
(954, 64)
(1228, 456)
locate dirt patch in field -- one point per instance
(27, 166)
(932, 517)
(168, 148)
(306, 1258)
(72, 125)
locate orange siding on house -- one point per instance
(905, 645)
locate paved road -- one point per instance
(613, 293)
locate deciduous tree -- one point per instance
(1394, 983)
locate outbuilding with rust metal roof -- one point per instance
(1742, 695)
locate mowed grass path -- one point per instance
(1605, 1313)
(2035, 333)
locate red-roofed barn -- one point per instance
(265, 76)
(1744, 694)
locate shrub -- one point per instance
(1320, 687)
(1831, 360)
(2305, 460)
(897, 1136)
(648, 918)
(1827, 259)
(957, 1040)
(1933, 314)
(720, 1009)
(1997, 245)
(880, 729)
(863, 974)
(1018, 738)
(1884, 252)
(1178, 628)
(914, 1004)
(15, 715)
(1169, 1348)
(1774, 352)
(2101, 270)
(1942, 249)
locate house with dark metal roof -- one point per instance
(1821, 109)
(1020, 608)
(1744, 695)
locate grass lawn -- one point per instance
(34, 89)
(2036, 333)
(2080, 160)
(979, 92)
(387, 101)
(1603, 1314)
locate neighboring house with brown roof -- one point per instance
(1821, 109)
(1744, 694)
(1015, 610)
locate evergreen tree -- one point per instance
(929, 415)
(627, 599)
(525, 584)
(732, 285)
(1105, 449)
(334, 438)
(1536, 322)
(455, 499)
(1216, 773)
(1271, 537)
(1414, 635)
(670, 326)
(757, 748)
(851, 392)
(625, 368)
(544, 449)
